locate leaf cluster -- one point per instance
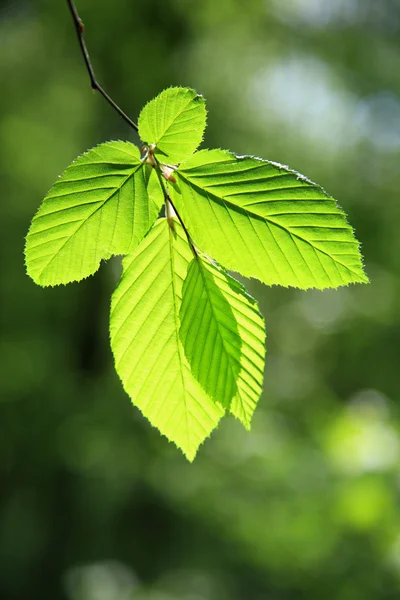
(188, 340)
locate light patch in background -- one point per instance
(361, 439)
(330, 14)
(325, 310)
(303, 93)
(108, 580)
(379, 115)
(364, 503)
(186, 584)
(316, 13)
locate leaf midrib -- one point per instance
(177, 327)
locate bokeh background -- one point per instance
(94, 503)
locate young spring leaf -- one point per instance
(265, 221)
(149, 356)
(187, 339)
(174, 121)
(102, 205)
(223, 336)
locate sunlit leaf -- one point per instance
(188, 340)
(174, 121)
(149, 355)
(223, 336)
(265, 221)
(100, 206)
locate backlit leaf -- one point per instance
(174, 121)
(223, 336)
(99, 207)
(149, 355)
(265, 221)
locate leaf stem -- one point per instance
(169, 204)
(80, 28)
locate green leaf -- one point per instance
(174, 121)
(265, 221)
(102, 205)
(223, 336)
(148, 353)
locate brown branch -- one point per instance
(80, 28)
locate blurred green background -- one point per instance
(94, 504)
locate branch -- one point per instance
(189, 239)
(80, 28)
(169, 203)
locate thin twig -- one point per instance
(189, 239)
(80, 28)
(168, 202)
